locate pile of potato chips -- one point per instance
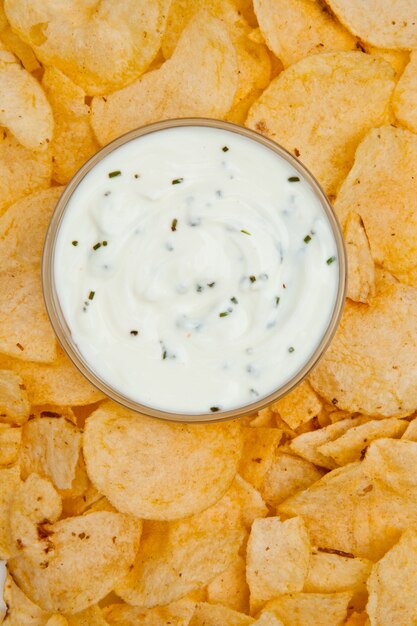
(302, 515)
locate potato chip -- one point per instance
(23, 170)
(178, 557)
(294, 29)
(267, 618)
(299, 406)
(73, 142)
(380, 189)
(230, 587)
(351, 446)
(10, 437)
(59, 383)
(24, 109)
(196, 464)
(265, 418)
(250, 501)
(204, 64)
(78, 505)
(9, 481)
(178, 614)
(367, 369)
(23, 227)
(392, 584)
(356, 90)
(398, 59)
(411, 431)
(287, 475)
(361, 270)
(19, 48)
(101, 49)
(20, 610)
(14, 405)
(311, 609)
(57, 620)
(357, 619)
(277, 559)
(25, 331)
(387, 25)
(260, 445)
(212, 615)
(48, 566)
(404, 101)
(328, 573)
(89, 617)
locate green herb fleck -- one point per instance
(293, 179)
(277, 299)
(137, 175)
(291, 349)
(174, 225)
(234, 300)
(134, 332)
(252, 279)
(91, 295)
(225, 149)
(307, 239)
(74, 243)
(115, 173)
(199, 288)
(223, 313)
(331, 260)
(104, 243)
(177, 181)
(245, 232)
(210, 284)
(214, 409)
(97, 246)
(164, 354)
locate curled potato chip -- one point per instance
(73, 142)
(178, 613)
(387, 25)
(23, 227)
(311, 609)
(102, 48)
(10, 437)
(50, 552)
(299, 406)
(25, 331)
(356, 89)
(204, 64)
(20, 610)
(196, 464)
(404, 101)
(287, 475)
(217, 615)
(14, 404)
(367, 369)
(9, 481)
(260, 445)
(230, 587)
(328, 573)
(379, 188)
(180, 556)
(392, 584)
(278, 554)
(19, 48)
(361, 271)
(24, 109)
(295, 29)
(23, 170)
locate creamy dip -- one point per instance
(196, 270)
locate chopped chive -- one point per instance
(134, 332)
(115, 173)
(174, 225)
(74, 243)
(164, 354)
(245, 232)
(97, 246)
(91, 295)
(210, 284)
(214, 409)
(223, 313)
(293, 179)
(104, 243)
(331, 260)
(252, 279)
(291, 349)
(307, 239)
(199, 288)
(225, 149)
(137, 175)
(253, 392)
(277, 299)
(234, 300)
(177, 181)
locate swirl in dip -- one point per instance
(196, 269)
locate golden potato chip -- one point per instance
(92, 616)
(404, 101)
(196, 463)
(19, 48)
(9, 481)
(25, 331)
(308, 445)
(328, 573)
(78, 505)
(357, 619)
(59, 383)
(356, 89)
(3, 19)
(295, 29)
(259, 449)
(361, 270)
(178, 614)
(392, 584)
(387, 25)
(398, 59)
(101, 49)
(277, 559)
(204, 64)
(20, 610)
(299, 406)
(411, 431)
(23, 227)
(287, 475)
(265, 418)
(10, 437)
(212, 615)
(311, 609)
(24, 109)
(366, 368)
(14, 404)
(267, 618)
(230, 587)
(57, 620)
(23, 170)
(67, 565)
(351, 446)
(73, 142)
(250, 501)
(178, 557)
(380, 189)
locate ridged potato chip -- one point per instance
(67, 565)
(361, 269)
(196, 463)
(24, 109)
(9, 482)
(204, 64)
(230, 587)
(287, 475)
(404, 101)
(294, 29)
(178, 614)
(321, 107)
(392, 584)
(299, 406)
(384, 24)
(329, 573)
(14, 404)
(311, 609)
(73, 142)
(101, 48)
(217, 615)
(10, 438)
(260, 445)
(368, 369)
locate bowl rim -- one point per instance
(62, 330)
